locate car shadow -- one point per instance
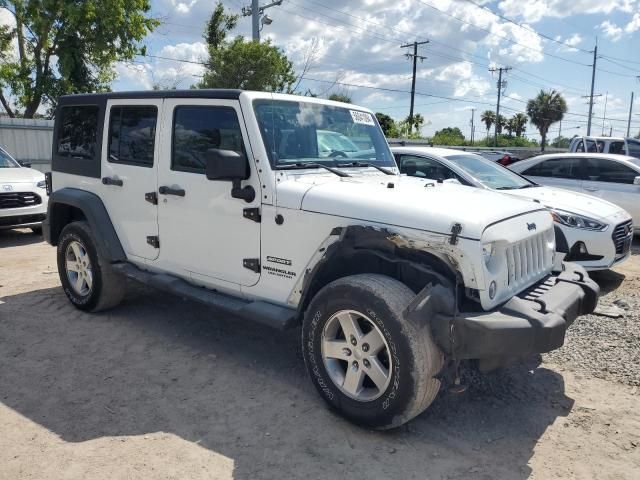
(18, 238)
(160, 364)
(608, 280)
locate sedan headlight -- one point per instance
(41, 184)
(574, 220)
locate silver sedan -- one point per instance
(615, 178)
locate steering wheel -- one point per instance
(338, 153)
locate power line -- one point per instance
(502, 36)
(527, 27)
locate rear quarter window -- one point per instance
(555, 168)
(77, 141)
(78, 131)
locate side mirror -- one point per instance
(226, 165)
(233, 166)
(636, 181)
(25, 164)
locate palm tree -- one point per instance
(501, 123)
(510, 127)
(545, 110)
(520, 121)
(488, 118)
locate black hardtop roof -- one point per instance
(217, 93)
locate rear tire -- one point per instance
(87, 278)
(408, 357)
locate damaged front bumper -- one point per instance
(534, 321)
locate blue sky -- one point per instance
(358, 43)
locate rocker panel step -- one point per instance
(266, 313)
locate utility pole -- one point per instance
(630, 110)
(258, 20)
(473, 112)
(415, 57)
(593, 82)
(560, 130)
(500, 87)
(604, 113)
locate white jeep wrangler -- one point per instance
(247, 202)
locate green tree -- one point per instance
(388, 125)
(501, 123)
(560, 142)
(488, 118)
(519, 121)
(248, 65)
(340, 97)
(242, 64)
(66, 46)
(411, 123)
(544, 110)
(448, 136)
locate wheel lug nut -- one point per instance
(365, 347)
(354, 342)
(355, 365)
(366, 363)
(346, 352)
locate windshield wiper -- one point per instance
(301, 165)
(365, 164)
(528, 186)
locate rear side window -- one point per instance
(602, 170)
(415, 166)
(199, 129)
(78, 131)
(556, 168)
(132, 134)
(617, 148)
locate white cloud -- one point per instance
(634, 24)
(535, 10)
(611, 30)
(182, 6)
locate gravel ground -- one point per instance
(602, 346)
(164, 389)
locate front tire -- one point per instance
(87, 278)
(367, 362)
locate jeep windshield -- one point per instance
(296, 133)
(6, 161)
(490, 174)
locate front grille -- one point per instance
(19, 199)
(622, 235)
(21, 220)
(528, 260)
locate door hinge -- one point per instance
(456, 230)
(252, 214)
(154, 241)
(151, 197)
(252, 264)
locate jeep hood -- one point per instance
(571, 201)
(401, 201)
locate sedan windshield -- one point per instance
(6, 161)
(296, 133)
(489, 173)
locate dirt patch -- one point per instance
(162, 388)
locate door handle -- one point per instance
(112, 181)
(164, 190)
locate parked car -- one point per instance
(502, 157)
(584, 225)
(394, 280)
(23, 197)
(615, 145)
(615, 178)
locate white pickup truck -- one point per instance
(616, 145)
(226, 197)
